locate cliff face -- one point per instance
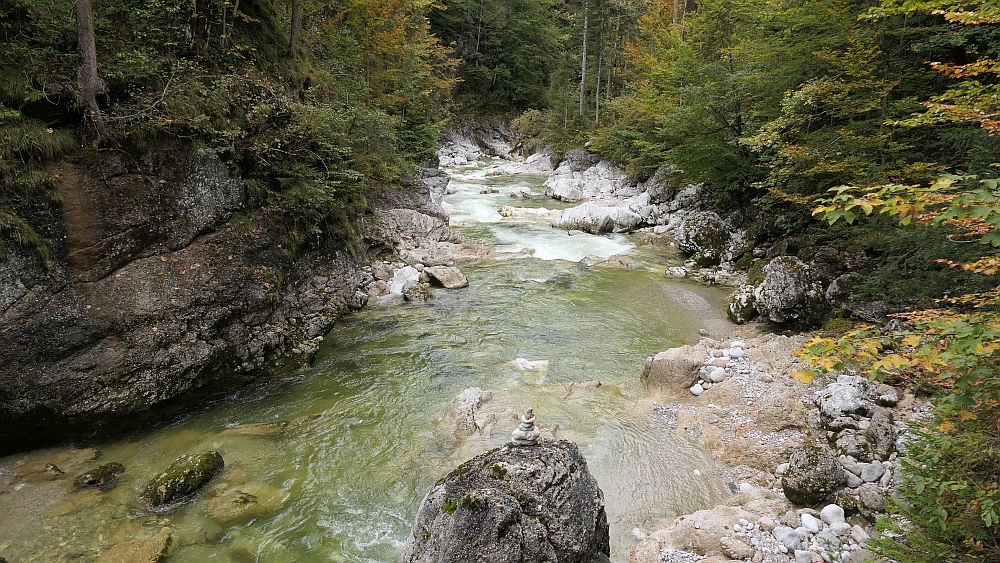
(157, 292)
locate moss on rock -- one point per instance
(184, 477)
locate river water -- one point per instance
(344, 481)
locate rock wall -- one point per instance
(157, 293)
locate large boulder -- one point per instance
(790, 294)
(704, 236)
(534, 503)
(669, 374)
(598, 217)
(185, 476)
(849, 395)
(583, 175)
(813, 475)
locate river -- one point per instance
(344, 482)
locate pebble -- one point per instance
(697, 526)
(803, 556)
(782, 469)
(832, 514)
(810, 523)
(697, 389)
(736, 353)
(737, 344)
(717, 375)
(719, 362)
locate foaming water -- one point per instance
(367, 442)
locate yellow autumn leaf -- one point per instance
(911, 340)
(945, 427)
(803, 375)
(966, 416)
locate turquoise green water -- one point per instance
(344, 481)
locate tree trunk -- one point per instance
(583, 63)
(293, 37)
(89, 81)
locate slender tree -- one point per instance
(293, 36)
(583, 58)
(90, 82)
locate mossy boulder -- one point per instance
(183, 478)
(814, 474)
(704, 236)
(102, 477)
(534, 503)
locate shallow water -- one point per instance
(345, 480)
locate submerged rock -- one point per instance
(513, 504)
(149, 550)
(184, 477)
(102, 477)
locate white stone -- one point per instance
(803, 556)
(809, 522)
(717, 375)
(736, 353)
(832, 514)
(696, 389)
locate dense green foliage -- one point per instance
(361, 100)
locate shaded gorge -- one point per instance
(364, 440)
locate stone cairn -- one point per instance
(526, 434)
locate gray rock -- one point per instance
(789, 294)
(853, 481)
(881, 435)
(842, 529)
(872, 472)
(704, 236)
(717, 375)
(859, 535)
(813, 475)
(735, 548)
(513, 504)
(803, 556)
(185, 476)
(886, 395)
(448, 277)
(848, 395)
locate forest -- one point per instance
(868, 126)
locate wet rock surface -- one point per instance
(185, 476)
(511, 504)
(102, 477)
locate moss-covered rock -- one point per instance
(704, 236)
(741, 305)
(102, 477)
(813, 475)
(184, 477)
